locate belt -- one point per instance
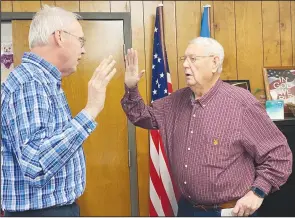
(229, 204)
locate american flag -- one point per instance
(163, 194)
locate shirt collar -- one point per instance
(32, 58)
(205, 99)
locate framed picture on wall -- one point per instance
(241, 83)
(280, 85)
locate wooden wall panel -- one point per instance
(188, 19)
(225, 34)
(271, 33)
(253, 34)
(50, 3)
(149, 8)
(169, 9)
(120, 6)
(73, 6)
(95, 6)
(26, 6)
(285, 33)
(6, 6)
(293, 29)
(249, 42)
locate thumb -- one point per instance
(141, 74)
(236, 209)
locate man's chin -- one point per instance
(69, 72)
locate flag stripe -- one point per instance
(155, 200)
(163, 200)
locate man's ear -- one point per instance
(58, 38)
(216, 63)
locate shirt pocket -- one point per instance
(220, 149)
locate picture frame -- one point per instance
(240, 83)
(279, 84)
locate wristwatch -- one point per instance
(258, 192)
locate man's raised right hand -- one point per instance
(97, 86)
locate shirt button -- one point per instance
(185, 182)
(189, 196)
(204, 105)
(192, 131)
(72, 150)
(89, 130)
(185, 166)
(189, 149)
(194, 115)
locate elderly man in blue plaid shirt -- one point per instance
(43, 164)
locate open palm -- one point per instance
(132, 76)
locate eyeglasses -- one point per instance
(81, 39)
(193, 58)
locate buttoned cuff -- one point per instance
(84, 123)
(262, 184)
(131, 92)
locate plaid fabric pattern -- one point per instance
(42, 159)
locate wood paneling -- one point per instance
(271, 33)
(188, 19)
(149, 10)
(6, 6)
(73, 6)
(169, 9)
(225, 34)
(22, 32)
(253, 34)
(293, 29)
(107, 190)
(249, 42)
(95, 6)
(120, 6)
(26, 6)
(50, 3)
(286, 32)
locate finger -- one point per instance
(141, 74)
(135, 58)
(108, 68)
(241, 211)
(106, 62)
(247, 212)
(126, 61)
(97, 69)
(110, 76)
(102, 65)
(236, 209)
(128, 56)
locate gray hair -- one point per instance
(47, 21)
(212, 47)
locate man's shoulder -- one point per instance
(175, 95)
(238, 94)
(21, 76)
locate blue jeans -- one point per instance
(186, 209)
(71, 210)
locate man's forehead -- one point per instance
(76, 28)
(194, 49)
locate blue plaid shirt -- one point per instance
(42, 159)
